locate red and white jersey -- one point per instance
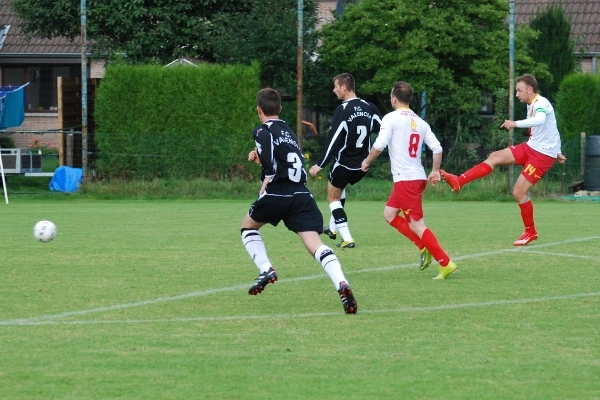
(543, 132)
(404, 132)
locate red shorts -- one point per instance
(408, 197)
(535, 164)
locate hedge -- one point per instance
(180, 122)
(578, 105)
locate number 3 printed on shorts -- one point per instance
(413, 145)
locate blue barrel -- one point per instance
(592, 163)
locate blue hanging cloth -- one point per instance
(12, 106)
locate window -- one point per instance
(41, 94)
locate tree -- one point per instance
(451, 51)
(553, 46)
(145, 30)
(268, 34)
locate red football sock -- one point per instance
(401, 225)
(432, 244)
(478, 171)
(527, 215)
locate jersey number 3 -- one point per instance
(413, 145)
(294, 173)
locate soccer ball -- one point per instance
(44, 231)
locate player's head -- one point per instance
(527, 88)
(402, 92)
(269, 102)
(343, 84)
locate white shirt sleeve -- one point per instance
(432, 142)
(538, 119)
(385, 133)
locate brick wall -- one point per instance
(37, 123)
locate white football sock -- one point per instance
(256, 249)
(341, 222)
(327, 258)
(332, 225)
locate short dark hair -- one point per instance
(345, 79)
(269, 100)
(529, 80)
(403, 92)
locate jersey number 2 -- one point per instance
(362, 133)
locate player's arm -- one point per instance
(337, 124)
(383, 139)
(264, 149)
(434, 175)
(436, 148)
(373, 154)
(561, 158)
(263, 187)
(538, 119)
(253, 156)
(376, 119)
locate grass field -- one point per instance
(148, 300)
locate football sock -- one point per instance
(256, 249)
(327, 258)
(527, 215)
(341, 221)
(332, 225)
(430, 241)
(401, 224)
(478, 171)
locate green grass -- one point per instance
(494, 187)
(148, 299)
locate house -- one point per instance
(585, 22)
(39, 62)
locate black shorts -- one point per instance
(296, 208)
(340, 176)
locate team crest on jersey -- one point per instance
(413, 124)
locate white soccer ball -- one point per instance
(44, 231)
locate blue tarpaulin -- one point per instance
(66, 179)
(12, 106)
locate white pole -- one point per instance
(3, 180)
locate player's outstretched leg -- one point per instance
(457, 182)
(347, 297)
(262, 281)
(451, 180)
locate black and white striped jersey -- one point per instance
(279, 152)
(349, 138)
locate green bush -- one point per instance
(578, 105)
(178, 122)
(6, 142)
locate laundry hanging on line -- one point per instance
(12, 106)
